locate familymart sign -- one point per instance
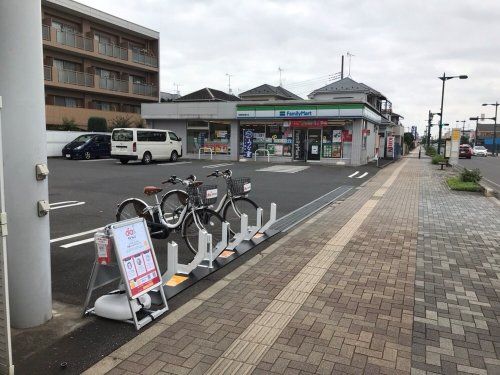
(306, 111)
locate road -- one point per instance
(489, 166)
(84, 196)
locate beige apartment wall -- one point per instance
(54, 115)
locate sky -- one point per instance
(399, 48)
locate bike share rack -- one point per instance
(209, 258)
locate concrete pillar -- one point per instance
(356, 151)
(24, 146)
(234, 140)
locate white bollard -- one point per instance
(272, 219)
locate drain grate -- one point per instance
(300, 214)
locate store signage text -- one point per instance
(295, 113)
(308, 123)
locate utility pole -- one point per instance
(229, 84)
(26, 187)
(280, 70)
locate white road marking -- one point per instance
(176, 163)
(75, 235)
(354, 174)
(85, 161)
(363, 175)
(81, 242)
(66, 205)
(283, 169)
(59, 203)
(217, 165)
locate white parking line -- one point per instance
(85, 161)
(176, 163)
(75, 235)
(363, 175)
(76, 203)
(354, 174)
(217, 165)
(283, 169)
(71, 244)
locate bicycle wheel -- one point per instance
(172, 205)
(210, 220)
(131, 208)
(232, 213)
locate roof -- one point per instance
(346, 85)
(208, 95)
(168, 97)
(73, 7)
(267, 89)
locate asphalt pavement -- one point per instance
(489, 166)
(85, 195)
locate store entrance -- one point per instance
(313, 144)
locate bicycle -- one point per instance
(233, 204)
(194, 213)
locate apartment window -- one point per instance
(137, 79)
(104, 73)
(104, 38)
(61, 26)
(131, 108)
(66, 65)
(64, 101)
(106, 106)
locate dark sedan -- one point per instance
(88, 146)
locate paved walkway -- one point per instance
(402, 277)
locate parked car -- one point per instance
(145, 145)
(88, 146)
(480, 151)
(465, 151)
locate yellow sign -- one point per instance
(455, 135)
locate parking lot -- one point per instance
(84, 196)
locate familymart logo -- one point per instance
(296, 113)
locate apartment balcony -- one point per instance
(81, 81)
(79, 44)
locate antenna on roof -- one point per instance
(349, 55)
(342, 68)
(176, 85)
(229, 91)
(280, 70)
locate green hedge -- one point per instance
(469, 175)
(438, 159)
(97, 124)
(455, 183)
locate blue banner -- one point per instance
(247, 143)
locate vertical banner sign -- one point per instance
(247, 143)
(136, 258)
(455, 145)
(390, 146)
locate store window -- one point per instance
(332, 142)
(210, 134)
(277, 138)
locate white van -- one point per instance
(145, 145)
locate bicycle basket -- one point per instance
(239, 186)
(204, 195)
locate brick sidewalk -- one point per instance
(393, 280)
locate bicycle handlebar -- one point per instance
(225, 174)
(174, 179)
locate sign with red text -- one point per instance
(308, 123)
(136, 257)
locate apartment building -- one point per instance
(96, 64)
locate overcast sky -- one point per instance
(399, 47)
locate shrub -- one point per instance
(121, 122)
(438, 159)
(68, 125)
(431, 151)
(455, 183)
(97, 124)
(141, 123)
(469, 175)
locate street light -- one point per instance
(431, 116)
(445, 78)
(496, 104)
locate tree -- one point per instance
(97, 124)
(464, 139)
(121, 122)
(409, 139)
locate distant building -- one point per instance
(208, 95)
(267, 92)
(96, 64)
(168, 97)
(485, 136)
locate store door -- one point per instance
(313, 144)
(299, 140)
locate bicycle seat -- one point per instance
(150, 190)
